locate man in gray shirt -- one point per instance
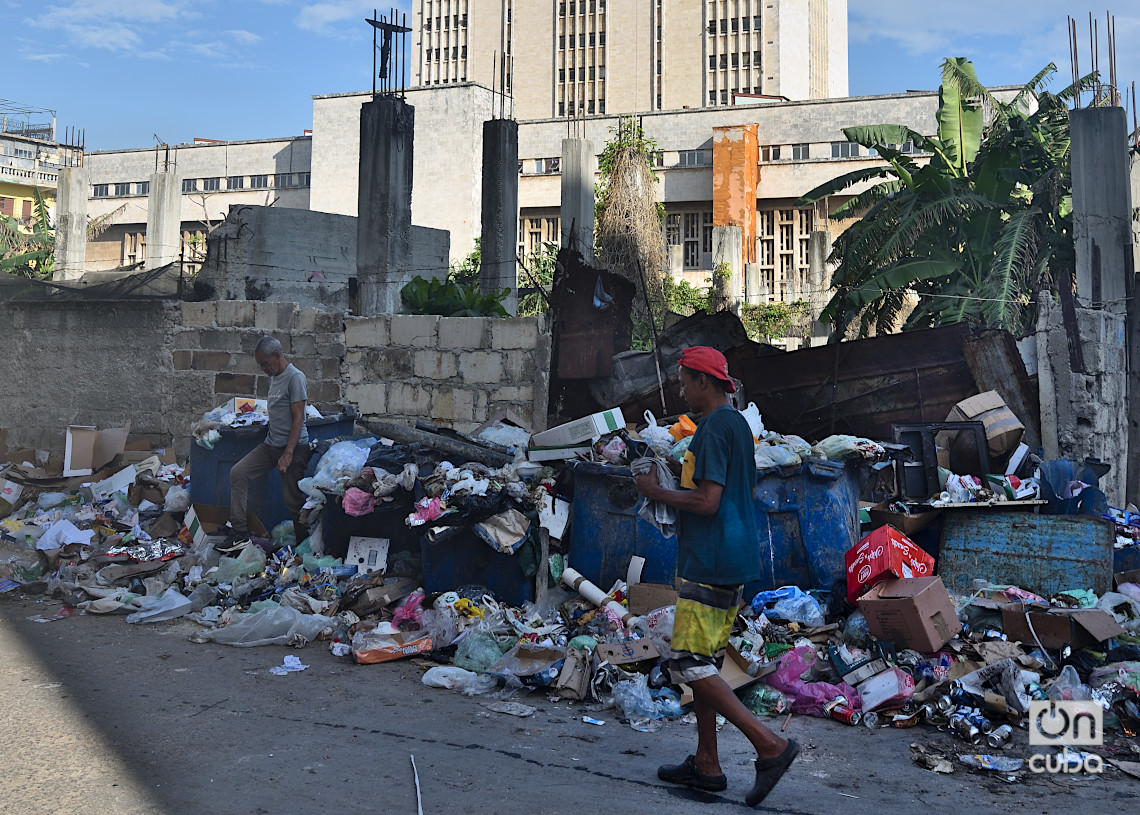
(286, 446)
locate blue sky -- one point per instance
(240, 69)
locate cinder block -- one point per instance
(330, 350)
(236, 384)
(188, 340)
(222, 339)
(518, 332)
(409, 400)
(273, 317)
(328, 322)
(452, 405)
(199, 314)
(513, 393)
(481, 367)
(182, 360)
(463, 333)
(437, 365)
(416, 330)
(390, 363)
(370, 399)
(211, 361)
(366, 332)
(307, 319)
(324, 392)
(303, 345)
(519, 366)
(261, 387)
(328, 368)
(236, 313)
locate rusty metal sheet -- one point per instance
(585, 338)
(861, 387)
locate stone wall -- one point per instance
(163, 364)
(455, 371)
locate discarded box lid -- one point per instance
(1058, 627)
(580, 430)
(207, 523)
(625, 653)
(87, 449)
(911, 613)
(884, 553)
(907, 523)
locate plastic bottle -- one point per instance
(763, 700)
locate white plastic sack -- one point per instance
(343, 462)
(177, 499)
(775, 455)
(656, 436)
(167, 607)
(270, 626)
(751, 415)
(448, 676)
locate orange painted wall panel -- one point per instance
(736, 173)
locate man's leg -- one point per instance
(293, 494)
(257, 462)
(711, 696)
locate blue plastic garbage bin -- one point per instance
(210, 469)
(807, 517)
(464, 559)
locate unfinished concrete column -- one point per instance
(727, 250)
(676, 259)
(163, 220)
(500, 207)
(71, 223)
(578, 168)
(1102, 206)
(384, 203)
(819, 283)
(752, 284)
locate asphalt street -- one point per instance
(99, 716)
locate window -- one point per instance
(707, 233)
(591, 72)
(189, 185)
(122, 189)
(561, 74)
(712, 26)
(561, 112)
(746, 59)
(8, 205)
(724, 97)
(258, 182)
(756, 22)
(235, 182)
(582, 40)
(844, 149)
(602, 39)
(712, 97)
(735, 61)
(601, 106)
(691, 158)
(601, 72)
(101, 190)
(724, 26)
(134, 248)
(770, 152)
(801, 151)
(724, 60)
(592, 39)
(673, 229)
(590, 106)
(281, 180)
(304, 179)
(735, 25)
(573, 75)
(211, 184)
(659, 101)
(142, 188)
(908, 147)
(745, 24)
(546, 166)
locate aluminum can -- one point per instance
(999, 736)
(839, 710)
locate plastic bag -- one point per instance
(775, 455)
(343, 462)
(1127, 674)
(657, 437)
(638, 702)
(788, 678)
(357, 502)
(177, 499)
(167, 607)
(533, 665)
(1124, 609)
(278, 625)
(1068, 687)
(442, 626)
(409, 616)
(751, 415)
(477, 651)
(448, 676)
(1131, 590)
(791, 603)
(283, 535)
(250, 561)
(659, 628)
(764, 700)
(812, 696)
(678, 450)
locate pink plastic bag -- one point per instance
(357, 502)
(814, 695)
(789, 677)
(409, 616)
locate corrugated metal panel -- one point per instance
(1044, 554)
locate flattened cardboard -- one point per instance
(1132, 576)
(377, 597)
(625, 653)
(735, 674)
(1058, 627)
(911, 613)
(207, 523)
(646, 597)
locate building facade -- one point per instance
(593, 57)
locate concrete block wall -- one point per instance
(453, 371)
(213, 360)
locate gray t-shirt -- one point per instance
(287, 387)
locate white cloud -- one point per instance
(245, 37)
(112, 25)
(339, 17)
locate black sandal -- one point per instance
(688, 775)
(769, 771)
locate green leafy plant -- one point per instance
(765, 321)
(538, 273)
(28, 253)
(450, 299)
(466, 271)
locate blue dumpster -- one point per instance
(464, 558)
(807, 517)
(210, 469)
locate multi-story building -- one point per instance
(593, 57)
(30, 159)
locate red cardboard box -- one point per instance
(884, 553)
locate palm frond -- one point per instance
(837, 185)
(1015, 256)
(867, 199)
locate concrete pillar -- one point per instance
(500, 207)
(1102, 206)
(384, 204)
(578, 169)
(163, 220)
(819, 283)
(727, 249)
(676, 255)
(71, 223)
(752, 284)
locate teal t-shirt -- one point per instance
(721, 549)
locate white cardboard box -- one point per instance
(557, 453)
(367, 554)
(585, 429)
(87, 449)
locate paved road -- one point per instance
(101, 717)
